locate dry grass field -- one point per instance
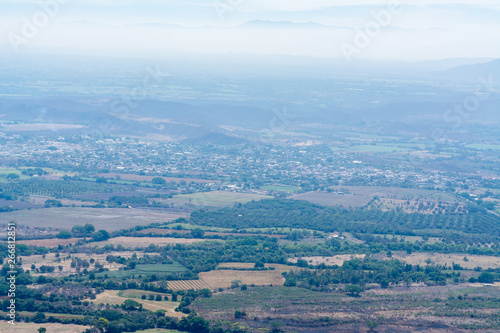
(33, 328)
(51, 260)
(54, 242)
(329, 261)
(134, 242)
(112, 297)
(109, 219)
(471, 261)
(224, 278)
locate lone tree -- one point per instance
(42, 330)
(64, 235)
(239, 314)
(159, 181)
(372, 325)
(12, 176)
(130, 304)
(353, 289)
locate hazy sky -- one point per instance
(417, 29)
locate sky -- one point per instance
(345, 29)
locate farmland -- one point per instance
(32, 328)
(188, 285)
(112, 297)
(158, 330)
(53, 242)
(140, 178)
(328, 261)
(334, 199)
(466, 261)
(158, 269)
(387, 198)
(109, 219)
(217, 198)
(225, 278)
(142, 242)
(395, 311)
(64, 266)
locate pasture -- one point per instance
(109, 219)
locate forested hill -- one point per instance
(468, 228)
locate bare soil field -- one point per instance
(109, 219)
(33, 328)
(134, 242)
(112, 297)
(125, 176)
(471, 261)
(329, 261)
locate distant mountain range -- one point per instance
(474, 72)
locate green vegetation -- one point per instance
(468, 229)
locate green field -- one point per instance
(136, 293)
(5, 171)
(280, 188)
(188, 226)
(377, 149)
